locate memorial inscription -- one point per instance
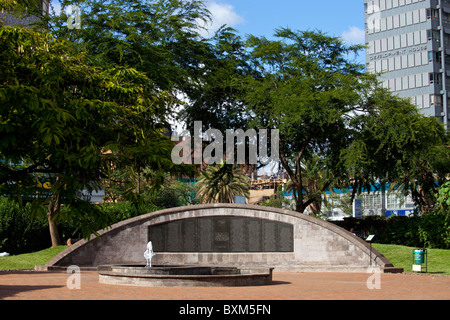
(222, 234)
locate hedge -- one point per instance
(430, 231)
(19, 233)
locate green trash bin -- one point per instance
(419, 256)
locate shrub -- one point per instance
(20, 232)
(429, 231)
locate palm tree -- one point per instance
(313, 177)
(221, 184)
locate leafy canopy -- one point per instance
(333, 115)
(61, 115)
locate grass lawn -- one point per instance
(401, 256)
(29, 260)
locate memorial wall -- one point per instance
(226, 235)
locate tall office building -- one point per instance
(409, 43)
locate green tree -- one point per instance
(215, 98)
(221, 184)
(308, 89)
(174, 193)
(314, 177)
(62, 116)
(160, 38)
(334, 115)
(186, 192)
(163, 39)
(443, 198)
(443, 210)
(399, 146)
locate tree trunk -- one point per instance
(300, 205)
(53, 208)
(315, 208)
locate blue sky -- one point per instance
(261, 17)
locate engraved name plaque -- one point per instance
(222, 234)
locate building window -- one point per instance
(396, 21)
(433, 14)
(419, 101)
(404, 61)
(390, 43)
(398, 84)
(418, 58)
(411, 61)
(388, 4)
(403, 42)
(416, 16)
(436, 100)
(423, 36)
(424, 57)
(417, 38)
(402, 20)
(397, 44)
(423, 15)
(384, 46)
(405, 83)
(418, 80)
(435, 78)
(409, 18)
(425, 79)
(430, 56)
(398, 63)
(426, 101)
(391, 64)
(389, 23)
(446, 18)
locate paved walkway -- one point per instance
(26, 285)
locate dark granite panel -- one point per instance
(222, 234)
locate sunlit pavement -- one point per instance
(33, 285)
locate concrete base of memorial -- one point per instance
(184, 276)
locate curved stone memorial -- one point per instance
(227, 235)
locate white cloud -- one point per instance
(221, 14)
(354, 35)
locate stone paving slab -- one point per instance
(35, 285)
